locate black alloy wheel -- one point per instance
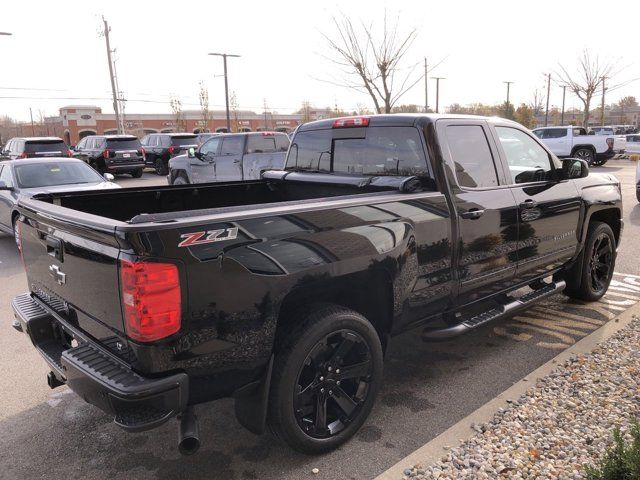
(601, 263)
(333, 384)
(585, 154)
(160, 167)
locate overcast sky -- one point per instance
(56, 50)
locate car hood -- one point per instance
(70, 188)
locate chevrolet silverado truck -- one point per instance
(230, 157)
(575, 142)
(283, 292)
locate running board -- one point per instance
(495, 313)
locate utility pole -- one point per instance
(120, 98)
(508, 85)
(113, 82)
(426, 87)
(546, 112)
(33, 129)
(437, 79)
(602, 105)
(265, 114)
(226, 83)
(564, 93)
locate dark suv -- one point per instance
(160, 147)
(112, 153)
(32, 147)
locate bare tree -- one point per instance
(537, 102)
(204, 107)
(233, 102)
(176, 108)
(587, 81)
(374, 64)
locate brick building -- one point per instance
(78, 121)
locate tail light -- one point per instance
(150, 299)
(351, 122)
(106, 153)
(610, 142)
(69, 153)
(171, 150)
(268, 134)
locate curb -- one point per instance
(432, 451)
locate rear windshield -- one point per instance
(48, 174)
(383, 151)
(123, 143)
(33, 146)
(184, 140)
(267, 143)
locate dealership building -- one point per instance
(78, 121)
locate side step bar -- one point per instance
(495, 313)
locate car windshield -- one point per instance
(51, 173)
(123, 143)
(184, 140)
(57, 146)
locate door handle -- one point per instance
(529, 203)
(472, 214)
(236, 161)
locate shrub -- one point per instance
(620, 462)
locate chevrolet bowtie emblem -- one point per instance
(57, 275)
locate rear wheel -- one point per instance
(137, 173)
(16, 233)
(325, 379)
(161, 168)
(585, 154)
(598, 262)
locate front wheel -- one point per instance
(326, 376)
(585, 154)
(598, 262)
(180, 180)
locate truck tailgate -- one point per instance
(73, 269)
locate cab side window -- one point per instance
(6, 177)
(210, 147)
(527, 160)
(471, 156)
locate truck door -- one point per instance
(486, 211)
(203, 166)
(229, 161)
(548, 209)
(558, 140)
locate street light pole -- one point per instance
(226, 84)
(564, 93)
(426, 87)
(546, 112)
(508, 85)
(437, 79)
(602, 105)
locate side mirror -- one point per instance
(191, 152)
(4, 186)
(574, 168)
(72, 148)
(108, 177)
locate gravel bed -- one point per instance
(557, 427)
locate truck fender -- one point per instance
(252, 400)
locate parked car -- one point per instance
(203, 137)
(619, 139)
(284, 292)
(112, 153)
(34, 147)
(230, 157)
(633, 144)
(160, 147)
(575, 142)
(31, 176)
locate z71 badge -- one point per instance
(208, 236)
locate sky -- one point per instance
(56, 55)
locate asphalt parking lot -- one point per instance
(427, 387)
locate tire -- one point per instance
(180, 180)
(585, 154)
(593, 280)
(638, 195)
(324, 341)
(161, 167)
(16, 237)
(137, 173)
(96, 166)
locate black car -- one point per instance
(160, 147)
(283, 292)
(32, 176)
(33, 147)
(112, 153)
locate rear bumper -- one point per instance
(137, 403)
(125, 167)
(609, 154)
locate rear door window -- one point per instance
(261, 144)
(471, 155)
(232, 145)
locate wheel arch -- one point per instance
(588, 146)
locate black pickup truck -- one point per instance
(283, 292)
